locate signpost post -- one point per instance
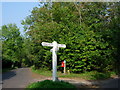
(64, 67)
(54, 50)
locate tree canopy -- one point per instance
(11, 44)
(90, 31)
(84, 27)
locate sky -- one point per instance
(15, 12)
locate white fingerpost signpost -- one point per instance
(54, 50)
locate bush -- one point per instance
(99, 76)
(33, 67)
(50, 84)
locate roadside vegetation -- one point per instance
(46, 84)
(90, 31)
(6, 70)
(92, 75)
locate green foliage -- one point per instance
(6, 70)
(90, 31)
(33, 67)
(99, 76)
(83, 27)
(11, 46)
(50, 84)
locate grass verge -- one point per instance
(50, 84)
(93, 75)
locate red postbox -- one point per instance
(62, 64)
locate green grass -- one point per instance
(93, 75)
(50, 84)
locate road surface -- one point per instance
(20, 78)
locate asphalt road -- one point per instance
(20, 78)
(113, 83)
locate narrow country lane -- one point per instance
(19, 78)
(113, 83)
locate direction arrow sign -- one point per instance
(51, 44)
(62, 45)
(47, 44)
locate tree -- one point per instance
(83, 27)
(11, 45)
(114, 31)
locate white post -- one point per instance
(64, 67)
(54, 56)
(54, 61)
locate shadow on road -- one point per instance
(113, 83)
(8, 75)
